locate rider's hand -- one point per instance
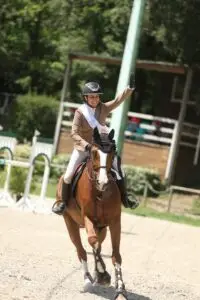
(128, 91)
(88, 147)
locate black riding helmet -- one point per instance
(91, 88)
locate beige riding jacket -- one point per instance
(82, 132)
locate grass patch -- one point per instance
(148, 212)
(51, 190)
(140, 211)
(196, 207)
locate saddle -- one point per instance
(76, 177)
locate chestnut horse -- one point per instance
(96, 206)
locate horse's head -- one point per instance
(102, 154)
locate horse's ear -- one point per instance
(96, 134)
(111, 134)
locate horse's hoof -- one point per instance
(120, 295)
(88, 282)
(88, 286)
(103, 278)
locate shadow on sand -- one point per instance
(103, 292)
(109, 293)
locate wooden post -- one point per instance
(65, 90)
(171, 164)
(145, 193)
(170, 199)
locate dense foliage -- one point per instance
(31, 112)
(36, 37)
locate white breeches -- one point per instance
(76, 158)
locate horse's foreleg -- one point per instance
(95, 238)
(115, 233)
(74, 233)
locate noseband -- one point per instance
(100, 167)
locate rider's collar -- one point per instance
(93, 108)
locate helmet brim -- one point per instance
(92, 94)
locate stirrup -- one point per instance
(131, 204)
(58, 207)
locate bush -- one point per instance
(18, 180)
(59, 164)
(23, 151)
(39, 166)
(137, 176)
(2, 178)
(196, 207)
(32, 112)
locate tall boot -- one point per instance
(133, 203)
(58, 208)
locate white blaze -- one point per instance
(103, 178)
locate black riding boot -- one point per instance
(60, 206)
(133, 203)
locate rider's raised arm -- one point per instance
(119, 99)
(79, 142)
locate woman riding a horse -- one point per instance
(95, 203)
(91, 114)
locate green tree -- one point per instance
(36, 36)
(29, 54)
(175, 24)
(32, 112)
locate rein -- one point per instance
(100, 167)
(96, 191)
(93, 170)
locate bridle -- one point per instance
(107, 147)
(100, 167)
(92, 174)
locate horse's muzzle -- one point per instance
(101, 186)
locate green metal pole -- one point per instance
(119, 116)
